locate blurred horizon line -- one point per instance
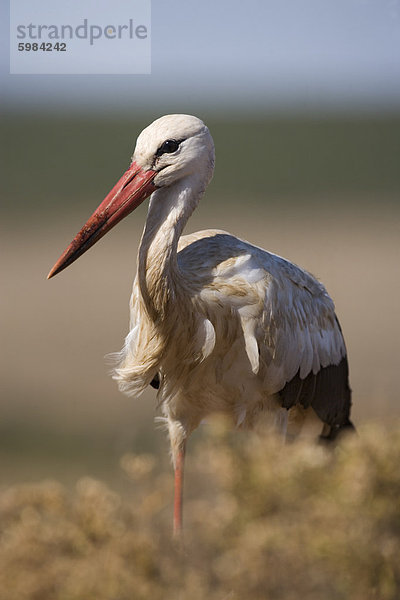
(282, 110)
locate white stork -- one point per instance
(216, 324)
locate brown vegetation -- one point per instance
(265, 521)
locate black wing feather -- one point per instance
(328, 392)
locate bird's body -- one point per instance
(217, 324)
(236, 324)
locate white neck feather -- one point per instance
(160, 281)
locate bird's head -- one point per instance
(174, 147)
(169, 150)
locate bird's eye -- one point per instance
(168, 147)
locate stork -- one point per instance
(216, 323)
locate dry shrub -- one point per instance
(263, 521)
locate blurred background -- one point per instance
(303, 101)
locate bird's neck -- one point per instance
(161, 283)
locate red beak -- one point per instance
(134, 186)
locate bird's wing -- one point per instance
(288, 319)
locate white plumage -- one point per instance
(246, 311)
(216, 323)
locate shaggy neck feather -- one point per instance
(160, 281)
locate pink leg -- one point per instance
(178, 500)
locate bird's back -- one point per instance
(292, 337)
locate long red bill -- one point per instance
(134, 186)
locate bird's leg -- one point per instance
(178, 499)
(281, 423)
